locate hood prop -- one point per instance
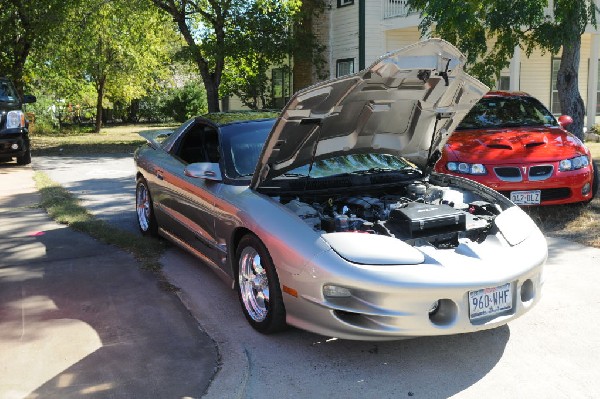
(314, 150)
(434, 153)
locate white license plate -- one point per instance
(526, 197)
(490, 301)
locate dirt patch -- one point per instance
(579, 222)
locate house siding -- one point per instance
(374, 33)
(536, 72)
(536, 75)
(344, 35)
(396, 39)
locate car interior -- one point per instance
(200, 144)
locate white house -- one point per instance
(356, 32)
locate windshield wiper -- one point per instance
(373, 170)
(405, 170)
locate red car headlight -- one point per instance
(467, 168)
(573, 163)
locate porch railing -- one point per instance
(395, 8)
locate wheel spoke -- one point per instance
(254, 284)
(143, 207)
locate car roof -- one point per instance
(505, 93)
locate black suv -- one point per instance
(14, 128)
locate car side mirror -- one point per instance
(565, 120)
(29, 99)
(204, 170)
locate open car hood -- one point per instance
(406, 104)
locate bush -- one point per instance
(178, 104)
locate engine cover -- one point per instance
(417, 220)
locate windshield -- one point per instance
(507, 112)
(355, 163)
(242, 145)
(8, 92)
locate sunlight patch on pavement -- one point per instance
(44, 346)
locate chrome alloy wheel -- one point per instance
(142, 201)
(254, 284)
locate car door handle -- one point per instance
(159, 174)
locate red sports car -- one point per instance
(510, 142)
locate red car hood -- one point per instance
(513, 145)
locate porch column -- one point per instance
(515, 70)
(592, 89)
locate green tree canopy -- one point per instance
(220, 31)
(472, 24)
(119, 49)
(25, 26)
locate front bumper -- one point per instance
(395, 302)
(558, 188)
(8, 142)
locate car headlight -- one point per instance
(573, 163)
(15, 119)
(467, 168)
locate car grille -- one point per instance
(540, 172)
(508, 173)
(514, 174)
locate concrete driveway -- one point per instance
(81, 319)
(552, 351)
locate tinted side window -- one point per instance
(200, 143)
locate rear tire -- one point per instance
(145, 209)
(258, 286)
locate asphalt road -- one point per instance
(552, 351)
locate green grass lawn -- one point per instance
(111, 140)
(595, 150)
(62, 206)
(122, 139)
(578, 222)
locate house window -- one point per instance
(554, 101)
(344, 3)
(344, 67)
(504, 83)
(280, 87)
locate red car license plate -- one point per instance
(526, 197)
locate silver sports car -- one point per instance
(330, 219)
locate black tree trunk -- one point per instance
(100, 95)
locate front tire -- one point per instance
(258, 286)
(24, 159)
(596, 181)
(145, 209)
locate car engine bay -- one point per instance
(416, 212)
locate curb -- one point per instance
(233, 368)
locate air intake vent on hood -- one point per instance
(531, 145)
(500, 146)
